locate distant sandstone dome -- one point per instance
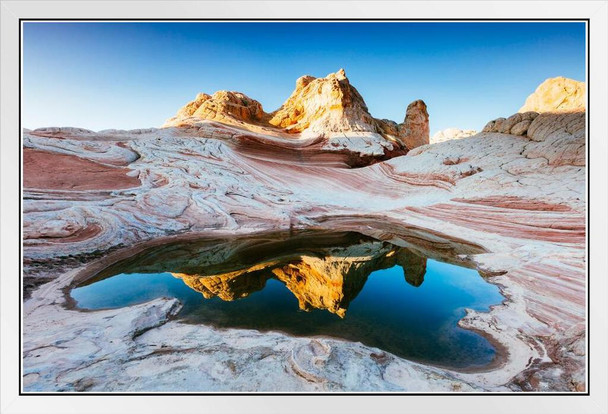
(451, 133)
(553, 119)
(557, 95)
(554, 95)
(318, 107)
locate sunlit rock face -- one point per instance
(317, 108)
(322, 105)
(554, 99)
(223, 106)
(557, 95)
(553, 118)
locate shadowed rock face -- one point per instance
(414, 266)
(415, 127)
(558, 137)
(516, 124)
(554, 99)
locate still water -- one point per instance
(342, 285)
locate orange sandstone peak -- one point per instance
(222, 106)
(557, 95)
(321, 105)
(318, 107)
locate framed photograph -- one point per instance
(352, 206)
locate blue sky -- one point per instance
(135, 75)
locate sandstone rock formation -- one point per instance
(554, 118)
(323, 105)
(513, 196)
(227, 287)
(414, 266)
(318, 107)
(516, 124)
(223, 106)
(323, 272)
(451, 133)
(333, 281)
(557, 95)
(558, 137)
(414, 131)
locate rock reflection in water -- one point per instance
(350, 285)
(329, 282)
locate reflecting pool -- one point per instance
(341, 285)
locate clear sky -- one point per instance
(136, 75)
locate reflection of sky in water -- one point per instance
(418, 323)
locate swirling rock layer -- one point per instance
(518, 199)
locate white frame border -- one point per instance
(12, 11)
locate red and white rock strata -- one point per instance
(520, 197)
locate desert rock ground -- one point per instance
(90, 198)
